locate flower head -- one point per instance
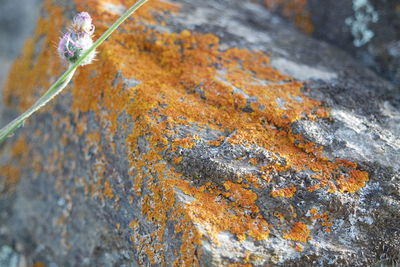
(83, 23)
(77, 40)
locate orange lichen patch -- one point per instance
(253, 180)
(219, 215)
(146, 13)
(294, 10)
(323, 184)
(186, 142)
(191, 239)
(178, 160)
(217, 142)
(108, 192)
(313, 211)
(94, 137)
(332, 187)
(313, 187)
(298, 248)
(20, 147)
(299, 232)
(322, 216)
(10, 175)
(134, 224)
(243, 197)
(347, 164)
(253, 161)
(285, 192)
(279, 216)
(10, 172)
(354, 182)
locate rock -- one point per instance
(367, 29)
(207, 133)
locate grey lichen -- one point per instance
(364, 14)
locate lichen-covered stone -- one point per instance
(207, 133)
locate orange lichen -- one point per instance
(107, 190)
(299, 232)
(169, 67)
(134, 224)
(186, 142)
(324, 217)
(253, 180)
(217, 142)
(279, 216)
(253, 161)
(178, 160)
(10, 173)
(354, 182)
(298, 248)
(313, 211)
(11, 176)
(294, 10)
(220, 215)
(285, 192)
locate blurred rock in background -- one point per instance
(17, 22)
(369, 30)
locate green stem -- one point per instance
(64, 79)
(43, 100)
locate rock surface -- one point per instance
(208, 133)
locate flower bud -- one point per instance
(77, 40)
(83, 23)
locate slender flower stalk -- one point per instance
(76, 47)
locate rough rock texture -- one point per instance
(207, 133)
(367, 29)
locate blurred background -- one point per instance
(17, 22)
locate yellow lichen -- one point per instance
(299, 232)
(285, 192)
(324, 217)
(107, 190)
(354, 182)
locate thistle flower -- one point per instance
(77, 40)
(83, 22)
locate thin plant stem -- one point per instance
(64, 79)
(43, 100)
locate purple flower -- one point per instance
(77, 40)
(83, 22)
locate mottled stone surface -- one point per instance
(208, 133)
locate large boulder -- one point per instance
(207, 133)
